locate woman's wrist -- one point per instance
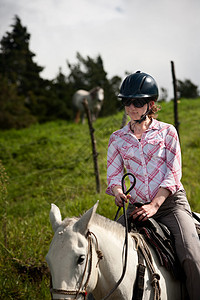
(116, 190)
(160, 197)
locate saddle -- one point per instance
(161, 239)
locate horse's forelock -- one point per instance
(69, 221)
(94, 90)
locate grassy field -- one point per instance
(53, 163)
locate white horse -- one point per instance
(95, 99)
(77, 267)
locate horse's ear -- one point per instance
(83, 223)
(55, 217)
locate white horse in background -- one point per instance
(95, 99)
(76, 266)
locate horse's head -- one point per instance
(97, 94)
(72, 265)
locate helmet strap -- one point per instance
(143, 117)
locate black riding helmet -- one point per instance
(139, 85)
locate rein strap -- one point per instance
(143, 247)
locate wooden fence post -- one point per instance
(94, 152)
(176, 121)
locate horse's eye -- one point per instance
(81, 259)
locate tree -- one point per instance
(21, 72)
(18, 66)
(13, 113)
(187, 89)
(87, 73)
(63, 91)
(163, 95)
(16, 60)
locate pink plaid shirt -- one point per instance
(155, 160)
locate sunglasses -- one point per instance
(136, 102)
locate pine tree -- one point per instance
(187, 89)
(13, 113)
(19, 69)
(16, 60)
(63, 90)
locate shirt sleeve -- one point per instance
(172, 179)
(115, 165)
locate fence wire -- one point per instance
(81, 155)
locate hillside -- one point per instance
(53, 163)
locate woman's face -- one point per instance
(135, 113)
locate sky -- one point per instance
(129, 35)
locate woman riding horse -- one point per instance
(150, 150)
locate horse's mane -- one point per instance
(109, 225)
(100, 221)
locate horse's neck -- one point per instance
(110, 268)
(110, 240)
(111, 243)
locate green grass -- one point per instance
(53, 163)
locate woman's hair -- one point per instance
(153, 111)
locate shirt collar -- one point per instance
(153, 126)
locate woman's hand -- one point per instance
(148, 210)
(144, 212)
(120, 196)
